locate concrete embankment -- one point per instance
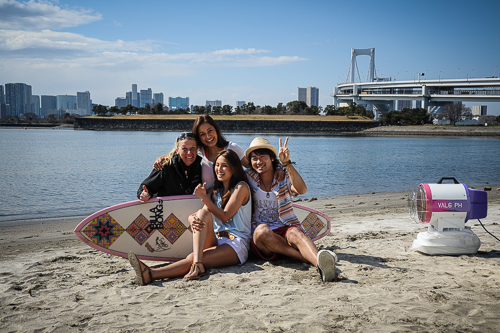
(253, 126)
(430, 130)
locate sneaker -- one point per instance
(326, 265)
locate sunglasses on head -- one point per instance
(185, 135)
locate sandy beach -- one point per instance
(52, 282)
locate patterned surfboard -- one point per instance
(159, 229)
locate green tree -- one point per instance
(158, 108)
(227, 109)
(217, 110)
(244, 109)
(113, 110)
(330, 110)
(280, 109)
(251, 108)
(296, 107)
(125, 109)
(208, 109)
(311, 110)
(406, 116)
(267, 109)
(99, 110)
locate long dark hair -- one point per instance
(221, 140)
(238, 175)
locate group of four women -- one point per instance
(204, 163)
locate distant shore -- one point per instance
(433, 130)
(334, 125)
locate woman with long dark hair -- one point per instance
(211, 143)
(221, 229)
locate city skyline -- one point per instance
(62, 48)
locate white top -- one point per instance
(265, 209)
(207, 167)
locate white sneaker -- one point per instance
(326, 265)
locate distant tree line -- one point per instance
(352, 110)
(33, 118)
(293, 107)
(406, 116)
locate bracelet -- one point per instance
(289, 162)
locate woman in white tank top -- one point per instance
(221, 229)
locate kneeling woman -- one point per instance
(221, 229)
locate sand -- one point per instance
(52, 282)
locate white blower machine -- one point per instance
(446, 208)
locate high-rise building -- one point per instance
(18, 96)
(302, 94)
(135, 97)
(479, 110)
(35, 104)
(240, 103)
(83, 103)
(178, 103)
(2, 95)
(146, 97)
(121, 102)
(310, 95)
(66, 102)
(158, 98)
(213, 103)
(48, 103)
(4, 110)
(128, 98)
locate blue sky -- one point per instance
(258, 51)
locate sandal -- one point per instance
(140, 269)
(196, 266)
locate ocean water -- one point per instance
(48, 173)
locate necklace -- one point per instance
(266, 189)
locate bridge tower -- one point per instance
(371, 68)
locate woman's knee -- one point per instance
(202, 214)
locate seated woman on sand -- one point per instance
(181, 172)
(221, 229)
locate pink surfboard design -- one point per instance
(159, 229)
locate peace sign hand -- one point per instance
(284, 153)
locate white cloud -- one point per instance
(41, 14)
(56, 62)
(49, 46)
(13, 41)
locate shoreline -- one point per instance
(434, 130)
(304, 201)
(51, 281)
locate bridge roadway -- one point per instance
(430, 92)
